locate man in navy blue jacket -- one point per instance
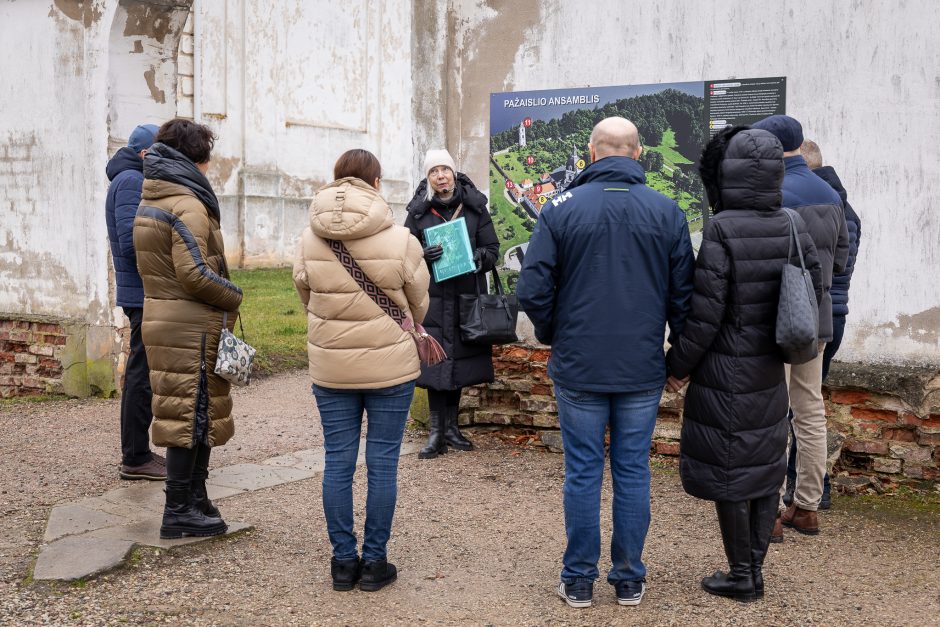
(608, 266)
(125, 171)
(821, 209)
(840, 292)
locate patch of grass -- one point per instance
(903, 505)
(274, 319)
(79, 584)
(667, 148)
(38, 398)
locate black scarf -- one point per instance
(168, 164)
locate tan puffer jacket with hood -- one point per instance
(180, 256)
(351, 342)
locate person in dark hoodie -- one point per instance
(840, 295)
(446, 194)
(125, 171)
(188, 298)
(608, 266)
(734, 427)
(821, 209)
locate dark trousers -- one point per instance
(136, 414)
(184, 465)
(838, 330)
(440, 400)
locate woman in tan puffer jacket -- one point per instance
(181, 259)
(360, 358)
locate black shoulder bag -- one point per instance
(489, 319)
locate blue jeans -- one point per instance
(584, 417)
(341, 417)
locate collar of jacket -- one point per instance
(620, 169)
(473, 199)
(796, 162)
(828, 174)
(123, 159)
(168, 164)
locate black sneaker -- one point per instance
(630, 592)
(578, 594)
(345, 573)
(376, 575)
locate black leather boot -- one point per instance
(436, 444)
(345, 573)
(763, 516)
(197, 486)
(738, 583)
(180, 519)
(452, 434)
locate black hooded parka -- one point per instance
(734, 431)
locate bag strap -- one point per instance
(373, 291)
(794, 237)
(240, 326)
(453, 217)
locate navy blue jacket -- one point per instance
(842, 280)
(609, 264)
(820, 207)
(125, 171)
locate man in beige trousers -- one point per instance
(821, 209)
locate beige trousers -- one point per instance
(809, 429)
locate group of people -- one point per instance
(611, 249)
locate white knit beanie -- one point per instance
(434, 158)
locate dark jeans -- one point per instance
(440, 400)
(136, 395)
(341, 416)
(584, 418)
(838, 330)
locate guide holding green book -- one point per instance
(450, 218)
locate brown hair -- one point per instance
(193, 140)
(811, 153)
(358, 163)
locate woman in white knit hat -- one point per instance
(446, 194)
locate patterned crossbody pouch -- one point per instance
(235, 355)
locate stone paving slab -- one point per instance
(147, 533)
(81, 556)
(95, 534)
(250, 477)
(66, 520)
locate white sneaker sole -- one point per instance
(632, 602)
(571, 602)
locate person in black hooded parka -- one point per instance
(444, 195)
(734, 431)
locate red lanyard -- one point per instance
(453, 217)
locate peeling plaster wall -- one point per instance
(53, 242)
(288, 91)
(85, 72)
(863, 79)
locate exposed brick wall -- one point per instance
(30, 354)
(886, 435)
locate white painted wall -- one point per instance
(863, 77)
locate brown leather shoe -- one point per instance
(776, 536)
(151, 471)
(802, 520)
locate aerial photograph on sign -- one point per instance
(539, 139)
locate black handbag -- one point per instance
(489, 318)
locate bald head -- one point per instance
(615, 137)
(811, 153)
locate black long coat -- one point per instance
(734, 430)
(466, 364)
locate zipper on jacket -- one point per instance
(200, 391)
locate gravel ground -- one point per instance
(478, 538)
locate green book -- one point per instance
(458, 256)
